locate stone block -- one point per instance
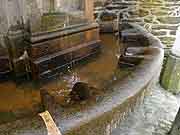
(163, 26)
(167, 40)
(169, 20)
(159, 32)
(143, 12)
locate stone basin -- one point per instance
(101, 114)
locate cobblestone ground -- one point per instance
(153, 117)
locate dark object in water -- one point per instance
(132, 36)
(129, 61)
(80, 91)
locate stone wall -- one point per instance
(160, 17)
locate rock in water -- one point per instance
(80, 91)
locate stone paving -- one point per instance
(153, 117)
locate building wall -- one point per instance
(160, 17)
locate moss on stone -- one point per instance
(171, 75)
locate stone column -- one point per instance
(171, 74)
(33, 15)
(89, 9)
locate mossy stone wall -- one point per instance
(160, 17)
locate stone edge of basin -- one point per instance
(102, 118)
(130, 89)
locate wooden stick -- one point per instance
(50, 124)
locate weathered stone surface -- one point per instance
(159, 32)
(33, 15)
(3, 18)
(171, 78)
(169, 20)
(166, 27)
(143, 12)
(161, 15)
(176, 125)
(153, 117)
(167, 40)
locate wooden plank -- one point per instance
(50, 124)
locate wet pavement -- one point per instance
(153, 117)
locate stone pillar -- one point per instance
(52, 5)
(33, 15)
(3, 22)
(89, 9)
(3, 17)
(171, 74)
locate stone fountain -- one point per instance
(53, 39)
(43, 40)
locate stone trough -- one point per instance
(113, 107)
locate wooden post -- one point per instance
(50, 124)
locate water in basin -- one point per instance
(100, 72)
